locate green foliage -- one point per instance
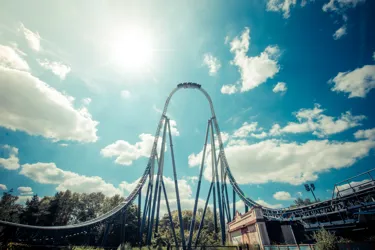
(325, 240)
(9, 210)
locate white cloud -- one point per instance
(43, 111)
(275, 130)
(126, 153)
(63, 144)
(245, 130)
(125, 94)
(282, 196)
(12, 162)
(340, 32)
(157, 110)
(33, 39)
(349, 188)
(228, 89)
(373, 56)
(259, 136)
(25, 190)
(312, 120)
(357, 82)
(23, 199)
(290, 162)
(173, 125)
(254, 70)
(340, 5)
(86, 101)
(3, 187)
(365, 134)
(48, 173)
(299, 194)
(58, 68)
(280, 87)
(10, 59)
(282, 6)
(192, 179)
(212, 63)
(266, 204)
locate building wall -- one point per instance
(248, 228)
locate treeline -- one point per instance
(63, 208)
(66, 208)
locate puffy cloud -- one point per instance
(275, 130)
(48, 173)
(245, 129)
(349, 188)
(25, 190)
(357, 82)
(280, 87)
(174, 130)
(254, 70)
(282, 196)
(58, 68)
(12, 161)
(212, 63)
(126, 153)
(365, 134)
(312, 120)
(86, 101)
(259, 136)
(282, 6)
(228, 89)
(266, 204)
(3, 187)
(340, 32)
(43, 111)
(9, 58)
(290, 162)
(33, 39)
(23, 199)
(185, 192)
(340, 5)
(125, 94)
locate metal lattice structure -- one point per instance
(360, 199)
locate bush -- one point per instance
(325, 240)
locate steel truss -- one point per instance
(361, 200)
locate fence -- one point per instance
(290, 247)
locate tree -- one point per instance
(9, 210)
(31, 213)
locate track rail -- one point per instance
(267, 212)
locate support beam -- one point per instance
(139, 215)
(169, 214)
(192, 224)
(221, 215)
(157, 183)
(176, 188)
(204, 213)
(234, 204)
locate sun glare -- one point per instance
(131, 49)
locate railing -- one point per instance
(290, 247)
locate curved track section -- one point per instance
(268, 212)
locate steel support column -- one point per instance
(204, 213)
(221, 216)
(176, 188)
(192, 224)
(169, 214)
(160, 167)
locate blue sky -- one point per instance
(82, 86)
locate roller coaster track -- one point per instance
(335, 205)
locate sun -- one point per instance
(131, 49)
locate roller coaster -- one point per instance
(346, 207)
